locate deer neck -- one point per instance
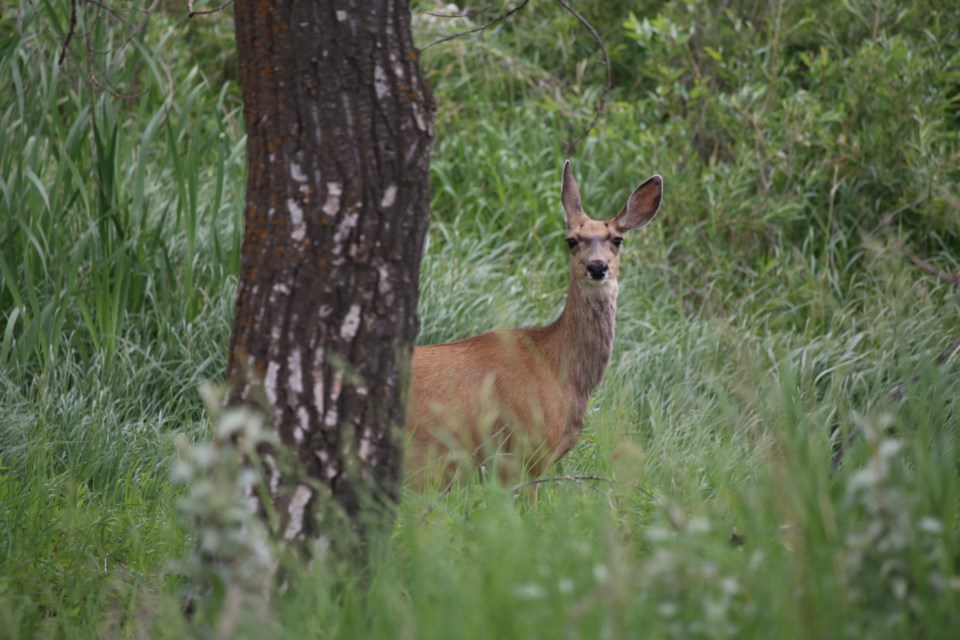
(584, 334)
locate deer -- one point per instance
(513, 401)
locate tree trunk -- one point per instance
(339, 129)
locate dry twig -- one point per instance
(135, 31)
(601, 104)
(949, 278)
(482, 27)
(889, 216)
(203, 12)
(70, 31)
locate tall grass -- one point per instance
(765, 316)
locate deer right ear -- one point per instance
(570, 197)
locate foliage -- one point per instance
(808, 149)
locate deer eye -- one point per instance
(617, 242)
(571, 242)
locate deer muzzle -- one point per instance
(597, 270)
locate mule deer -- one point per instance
(517, 397)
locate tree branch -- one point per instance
(601, 104)
(203, 12)
(949, 278)
(482, 27)
(70, 31)
(889, 216)
(135, 29)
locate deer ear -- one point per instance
(570, 196)
(642, 205)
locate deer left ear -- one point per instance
(642, 205)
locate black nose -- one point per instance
(597, 270)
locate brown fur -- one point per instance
(515, 399)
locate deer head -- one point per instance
(595, 244)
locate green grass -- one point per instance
(763, 317)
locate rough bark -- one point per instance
(339, 128)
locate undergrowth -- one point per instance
(803, 267)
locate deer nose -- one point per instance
(597, 269)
